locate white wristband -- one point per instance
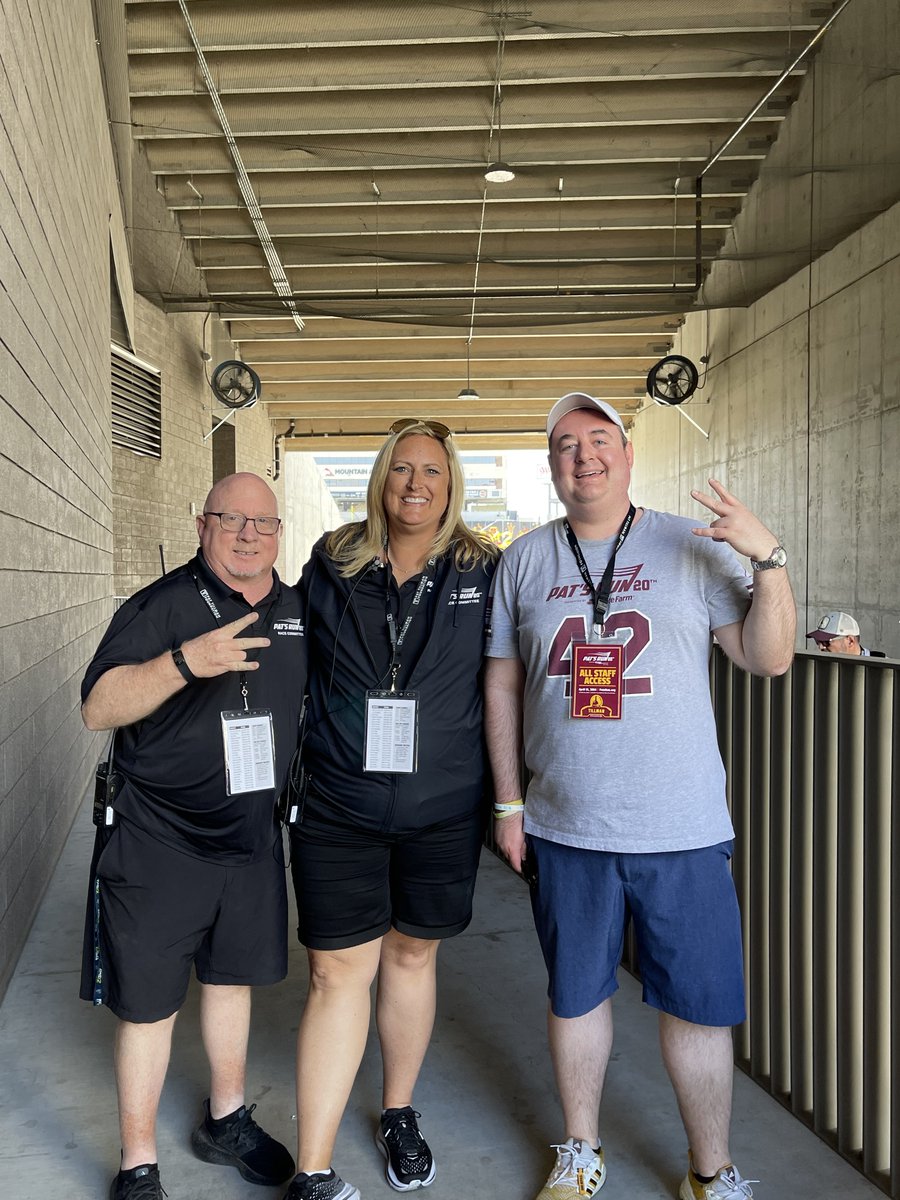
(507, 810)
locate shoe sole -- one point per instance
(211, 1153)
(112, 1188)
(389, 1170)
(347, 1192)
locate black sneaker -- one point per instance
(138, 1183)
(237, 1141)
(320, 1187)
(409, 1163)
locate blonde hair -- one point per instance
(354, 546)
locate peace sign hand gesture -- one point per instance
(734, 523)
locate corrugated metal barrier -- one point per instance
(814, 772)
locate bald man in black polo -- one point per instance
(201, 674)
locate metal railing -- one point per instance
(813, 776)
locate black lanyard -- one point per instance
(397, 639)
(217, 617)
(599, 596)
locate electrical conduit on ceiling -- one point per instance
(276, 269)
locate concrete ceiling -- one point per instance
(325, 162)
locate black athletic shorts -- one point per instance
(157, 912)
(353, 885)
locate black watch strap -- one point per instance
(184, 670)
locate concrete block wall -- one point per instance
(152, 497)
(81, 521)
(58, 186)
(309, 511)
(255, 451)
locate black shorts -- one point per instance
(157, 912)
(353, 885)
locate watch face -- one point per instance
(778, 558)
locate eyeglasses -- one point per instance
(235, 522)
(438, 428)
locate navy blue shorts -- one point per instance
(686, 922)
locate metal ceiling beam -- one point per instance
(459, 67)
(597, 104)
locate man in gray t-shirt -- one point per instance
(598, 669)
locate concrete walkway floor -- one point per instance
(486, 1091)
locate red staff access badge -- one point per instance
(596, 681)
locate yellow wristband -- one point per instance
(507, 810)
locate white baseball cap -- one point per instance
(573, 400)
(834, 625)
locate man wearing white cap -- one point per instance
(598, 671)
(838, 633)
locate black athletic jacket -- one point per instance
(447, 676)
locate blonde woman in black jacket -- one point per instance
(385, 852)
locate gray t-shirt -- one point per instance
(654, 780)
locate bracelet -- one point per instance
(183, 669)
(507, 810)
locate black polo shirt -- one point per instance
(173, 760)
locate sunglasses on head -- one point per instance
(438, 428)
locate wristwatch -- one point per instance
(778, 558)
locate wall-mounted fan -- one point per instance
(671, 381)
(235, 385)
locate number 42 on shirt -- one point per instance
(575, 628)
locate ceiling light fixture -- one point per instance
(468, 392)
(499, 172)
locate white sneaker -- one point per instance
(579, 1171)
(727, 1185)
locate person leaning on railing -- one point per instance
(838, 633)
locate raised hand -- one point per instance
(222, 650)
(734, 524)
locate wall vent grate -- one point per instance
(136, 405)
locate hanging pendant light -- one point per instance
(468, 392)
(499, 172)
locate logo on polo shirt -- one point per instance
(469, 595)
(209, 600)
(625, 579)
(289, 627)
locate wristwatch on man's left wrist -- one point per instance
(778, 558)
